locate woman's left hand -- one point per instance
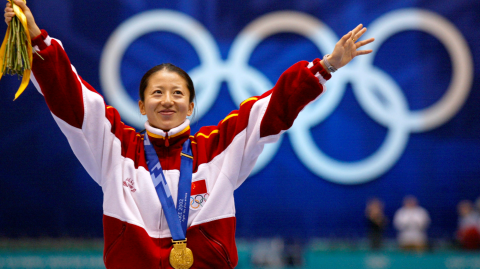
(347, 47)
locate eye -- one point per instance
(178, 92)
(157, 91)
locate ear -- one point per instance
(141, 106)
(190, 109)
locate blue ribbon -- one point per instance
(177, 218)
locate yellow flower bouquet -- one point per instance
(16, 50)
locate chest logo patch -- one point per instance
(198, 195)
(130, 184)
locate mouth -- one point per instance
(166, 112)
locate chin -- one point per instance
(162, 127)
(166, 125)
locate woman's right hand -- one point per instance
(32, 26)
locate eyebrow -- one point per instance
(161, 87)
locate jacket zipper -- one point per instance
(224, 255)
(113, 244)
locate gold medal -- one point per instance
(181, 257)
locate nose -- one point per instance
(167, 100)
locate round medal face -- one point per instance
(181, 257)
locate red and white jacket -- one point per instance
(135, 229)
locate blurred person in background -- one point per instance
(293, 252)
(268, 253)
(468, 233)
(412, 222)
(376, 222)
(477, 205)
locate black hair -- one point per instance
(171, 68)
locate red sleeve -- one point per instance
(276, 110)
(58, 82)
(90, 126)
(295, 88)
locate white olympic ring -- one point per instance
(245, 81)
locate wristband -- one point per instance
(319, 71)
(330, 67)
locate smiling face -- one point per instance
(167, 100)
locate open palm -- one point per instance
(347, 47)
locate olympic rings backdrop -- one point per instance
(403, 120)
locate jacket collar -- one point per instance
(173, 138)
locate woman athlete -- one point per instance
(144, 175)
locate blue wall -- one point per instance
(374, 133)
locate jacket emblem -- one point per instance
(198, 194)
(130, 184)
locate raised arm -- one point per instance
(94, 131)
(236, 142)
(295, 88)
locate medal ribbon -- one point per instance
(177, 218)
(26, 74)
